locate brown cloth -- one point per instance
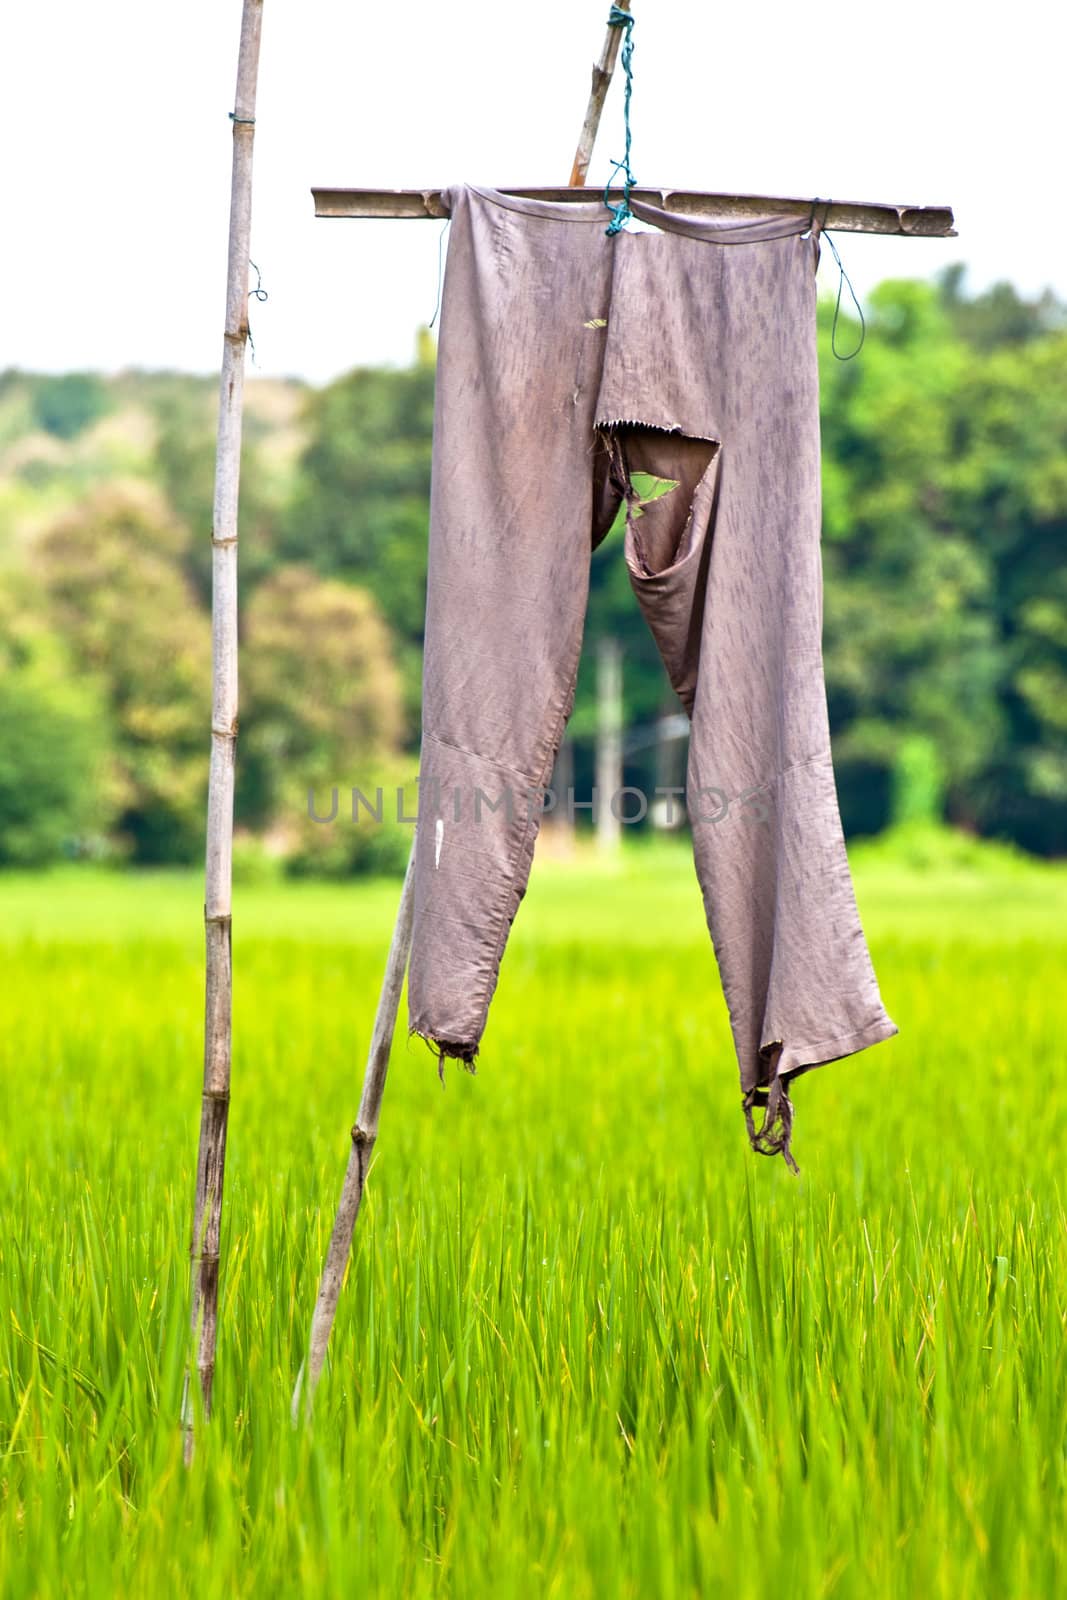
(570, 361)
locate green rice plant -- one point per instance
(601, 1352)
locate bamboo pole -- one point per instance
(364, 1137)
(365, 1130)
(598, 93)
(841, 216)
(211, 1162)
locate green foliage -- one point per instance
(944, 491)
(910, 639)
(945, 508)
(1010, 484)
(253, 861)
(948, 855)
(366, 834)
(185, 414)
(322, 695)
(52, 741)
(68, 404)
(999, 315)
(361, 506)
(945, 606)
(918, 781)
(579, 1352)
(116, 592)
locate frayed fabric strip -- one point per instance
(448, 1049)
(775, 1133)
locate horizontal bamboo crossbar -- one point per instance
(842, 216)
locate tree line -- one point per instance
(945, 607)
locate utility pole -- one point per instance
(608, 744)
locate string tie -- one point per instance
(844, 278)
(620, 212)
(257, 292)
(817, 230)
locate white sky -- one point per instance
(117, 144)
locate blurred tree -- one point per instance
(66, 405)
(186, 411)
(999, 315)
(918, 781)
(945, 518)
(371, 837)
(52, 740)
(944, 481)
(1009, 489)
(360, 510)
(321, 696)
(132, 624)
(185, 417)
(911, 641)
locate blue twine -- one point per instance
(844, 278)
(621, 213)
(258, 293)
(818, 231)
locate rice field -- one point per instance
(590, 1345)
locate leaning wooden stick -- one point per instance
(365, 1131)
(214, 1113)
(598, 93)
(364, 1135)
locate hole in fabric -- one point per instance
(643, 469)
(662, 485)
(647, 487)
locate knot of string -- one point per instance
(621, 213)
(818, 231)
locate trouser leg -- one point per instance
(727, 569)
(507, 589)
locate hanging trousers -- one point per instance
(675, 371)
